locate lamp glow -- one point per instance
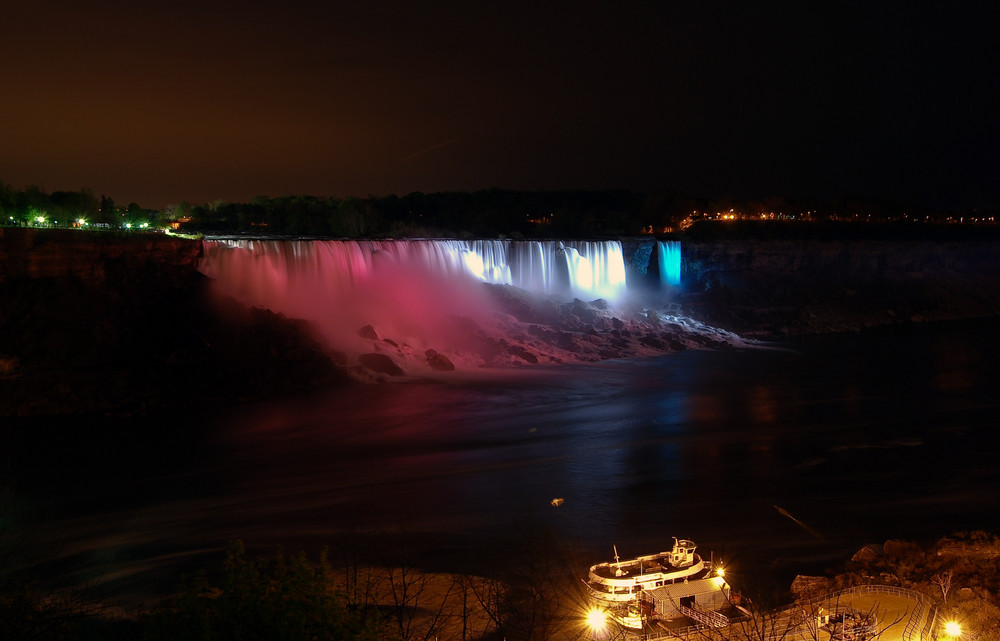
(953, 629)
(597, 619)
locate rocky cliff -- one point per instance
(780, 287)
(97, 258)
(122, 324)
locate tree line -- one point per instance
(487, 213)
(33, 206)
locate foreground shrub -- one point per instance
(280, 599)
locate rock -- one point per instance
(867, 554)
(522, 353)
(368, 332)
(652, 341)
(440, 362)
(899, 549)
(381, 364)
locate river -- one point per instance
(784, 458)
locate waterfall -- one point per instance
(406, 286)
(585, 269)
(669, 257)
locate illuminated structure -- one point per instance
(668, 585)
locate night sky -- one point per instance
(198, 101)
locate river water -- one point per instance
(787, 457)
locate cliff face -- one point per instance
(782, 287)
(123, 324)
(97, 258)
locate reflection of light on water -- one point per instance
(761, 405)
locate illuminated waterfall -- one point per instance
(585, 269)
(669, 258)
(405, 286)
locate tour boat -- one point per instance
(666, 585)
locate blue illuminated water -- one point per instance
(669, 255)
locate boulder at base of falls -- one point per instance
(381, 364)
(439, 361)
(368, 332)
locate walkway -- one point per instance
(903, 615)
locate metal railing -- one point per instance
(708, 617)
(919, 626)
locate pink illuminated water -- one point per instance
(406, 289)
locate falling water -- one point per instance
(405, 286)
(259, 267)
(669, 255)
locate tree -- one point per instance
(418, 610)
(943, 581)
(532, 593)
(6, 201)
(281, 598)
(106, 214)
(807, 620)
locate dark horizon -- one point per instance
(195, 102)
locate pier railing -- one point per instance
(707, 617)
(919, 625)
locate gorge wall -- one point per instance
(97, 258)
(808, 286)
(108, 324)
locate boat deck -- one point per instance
(633, 568)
